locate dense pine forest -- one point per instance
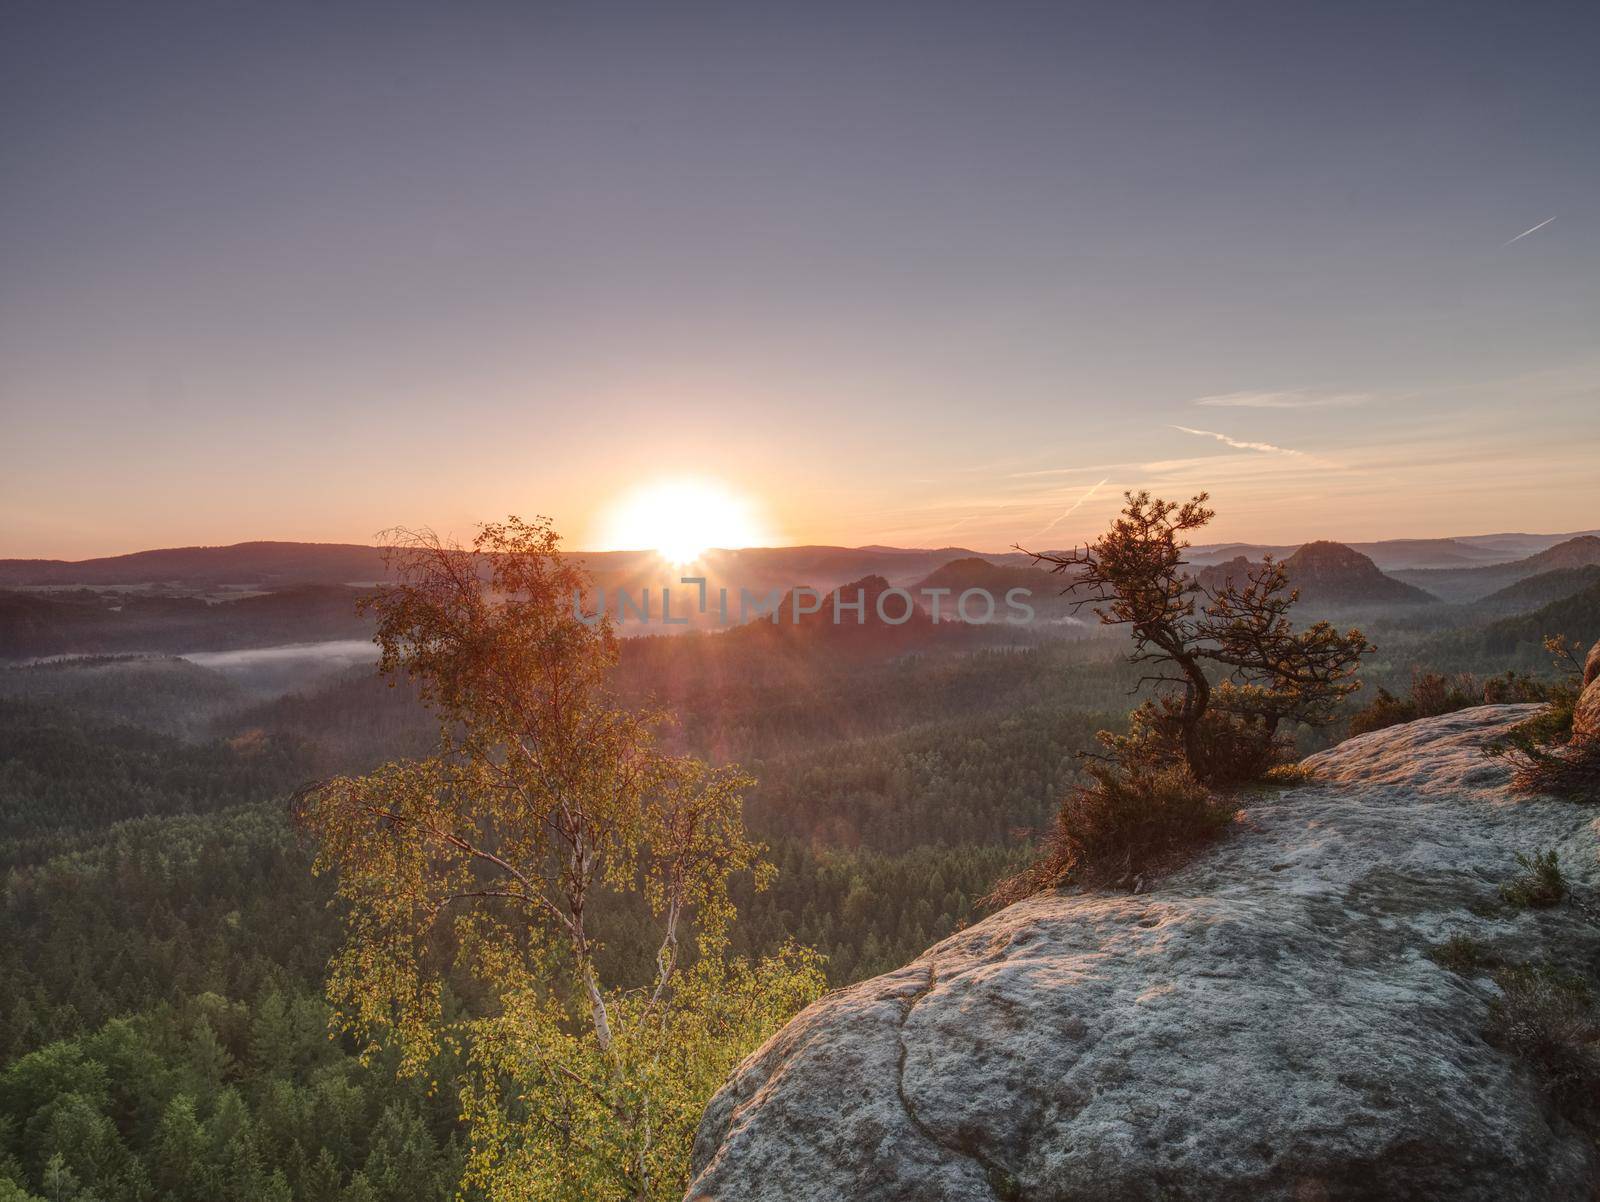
(163, 944)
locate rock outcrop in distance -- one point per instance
(810, 622)
(1327, 575)
(1266, 1023)
(1336, 574)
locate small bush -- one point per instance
(1132, 819)
(1435, 693)
(1543, 758)
(1552, 724)
(1462, 954)
(1547, 1017)
(1539, 885)
(1232, 749)
(1431, 694)
(1571, 771)
(1237, 750)
(1509, 689)
(1382, 711)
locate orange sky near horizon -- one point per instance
(1480, 484)
(957, 281)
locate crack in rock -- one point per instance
(1002, 1186)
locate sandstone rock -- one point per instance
(1264, 1024)
(1591, 666)
(1586, 714)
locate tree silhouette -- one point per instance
(1225, 729)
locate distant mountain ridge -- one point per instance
(1472, 584)
(240, 563)
(278, 563)
(977, 572)
(1576, 616)
(1396, 554)
(1541, 589)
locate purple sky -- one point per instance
(916, 274)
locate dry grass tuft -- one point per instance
(1538, 886)
(1288, 774)
(1572, 771)
(1462, 954)
(1129, 822)
(1547, 1017)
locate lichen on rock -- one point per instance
(1266, 1023)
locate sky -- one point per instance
(922, 275)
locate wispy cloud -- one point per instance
(1071, 471)
(1286, 400)
(1526, 232)
(1073, 508)
(1237, 444)
(1208, 463)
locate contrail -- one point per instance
(1071, 509)
(1266, 447)
(1534, 230)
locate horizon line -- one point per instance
(795, 546)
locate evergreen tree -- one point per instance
(181, 1154)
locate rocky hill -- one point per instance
(1328, 576)
(1268, 1023)
(855, 619)
(1334, 574)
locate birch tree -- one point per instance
(548, 818)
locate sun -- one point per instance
(681, 519)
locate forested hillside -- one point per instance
(163, 943)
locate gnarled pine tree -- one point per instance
(1270, 672)
(509, 855)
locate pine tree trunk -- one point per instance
(1196, 697)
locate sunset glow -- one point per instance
(681, 519)
(488, 487)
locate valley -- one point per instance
(159, 901)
